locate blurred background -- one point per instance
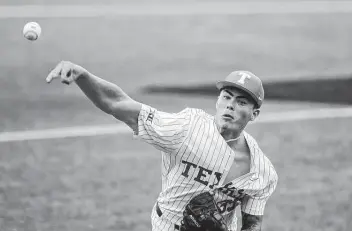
(65, 165)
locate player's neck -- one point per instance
(230, 136)
(233, 137)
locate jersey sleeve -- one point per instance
(165, 131)
(255, 205)
(231, 221)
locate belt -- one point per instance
(158, 211)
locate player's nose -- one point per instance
(230, 107)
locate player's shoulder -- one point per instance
(270, 169)
(147, 109)
(186, 111)
(196, 112)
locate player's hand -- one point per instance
(66, 71)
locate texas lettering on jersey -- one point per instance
(235, 196)
(196, 158)
(202, 175)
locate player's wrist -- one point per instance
(81, 73)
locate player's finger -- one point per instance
(68, 77)
(55, 73)
(66, 73)
(52, 75)
(69, 72)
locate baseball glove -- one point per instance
(202, 214)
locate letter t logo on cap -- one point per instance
(244, 76)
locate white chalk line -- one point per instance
(114, 129)
(181, 8)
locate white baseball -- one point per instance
(32, 31)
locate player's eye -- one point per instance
(226, 97)
(242, 102)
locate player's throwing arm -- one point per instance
(105, 95)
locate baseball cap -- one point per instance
(245, 81)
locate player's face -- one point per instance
(235, 109)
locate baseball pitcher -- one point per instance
(210, 164)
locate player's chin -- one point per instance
(236, 127)
(236, 124)
(231, 124)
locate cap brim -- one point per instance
(221, 84)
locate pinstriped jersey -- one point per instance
(196, 158)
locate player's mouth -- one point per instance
(228, 116)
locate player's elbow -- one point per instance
(112, 105)
(126, 110)
(106, 106)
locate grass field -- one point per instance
(111, 182)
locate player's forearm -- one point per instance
(252, 229)
(251, 222)
(102, 93)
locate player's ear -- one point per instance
(255, 114)
(217, 103)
